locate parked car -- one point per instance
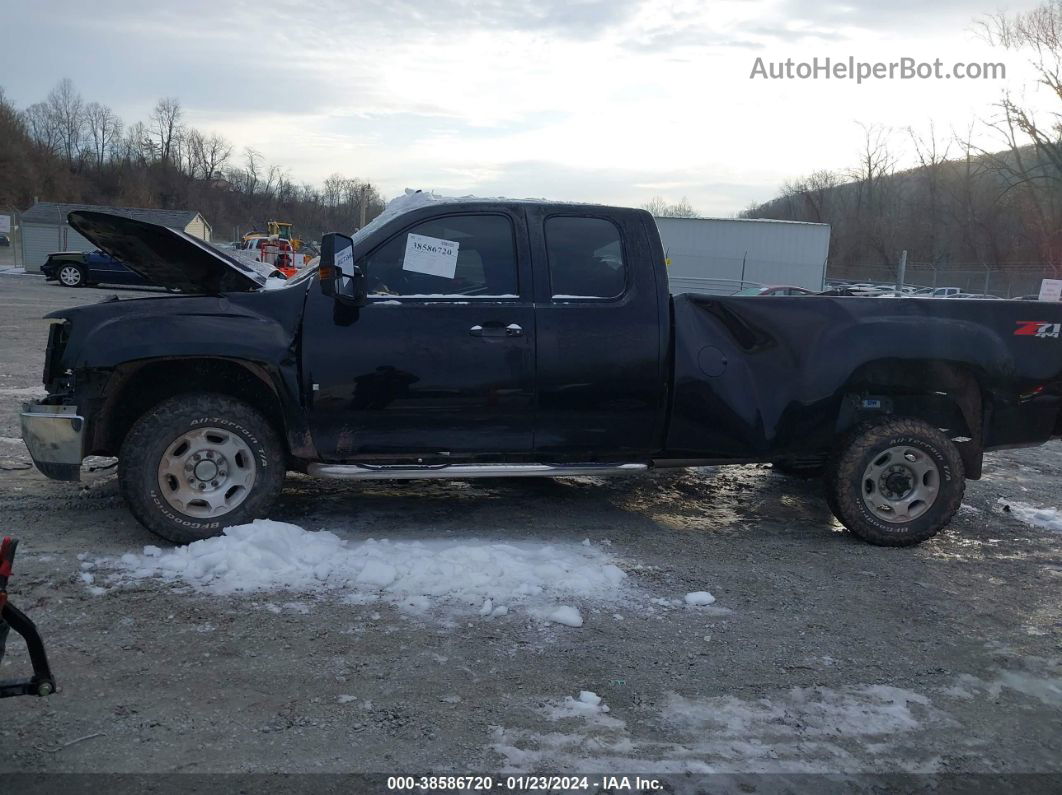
(466, 338)
(774, 290)
(85, 268)
(4, 240)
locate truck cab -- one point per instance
(492, 329)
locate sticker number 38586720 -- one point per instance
(431, 255)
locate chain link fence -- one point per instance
(1009, 281)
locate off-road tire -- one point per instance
(854, 453)
(151, 435)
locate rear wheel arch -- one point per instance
(947, 395)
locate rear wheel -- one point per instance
(196, 464)
(896, 482)
(71, 275)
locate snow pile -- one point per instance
(469, 576)
(588, 704)
(588, 707)
(1049, 518)
(699, 598)
(567, 615)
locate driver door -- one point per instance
(441, 360)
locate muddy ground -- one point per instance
(825, 655)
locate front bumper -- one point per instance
(55, 437)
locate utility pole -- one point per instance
(901, 271)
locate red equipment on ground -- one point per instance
(11, 618)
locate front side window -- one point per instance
(456, 256)
(585, 258)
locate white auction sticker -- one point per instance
(431, 255)
(1051, 290)
(344, 260)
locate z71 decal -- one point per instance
(1036, 328)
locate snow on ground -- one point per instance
(873, 710)
(466, 576)
(1049, 518)
(589, 708)
(800, 730)
(28, 391)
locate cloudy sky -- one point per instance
(599, 100)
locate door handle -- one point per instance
(496, 330)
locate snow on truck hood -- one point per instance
(167, 257)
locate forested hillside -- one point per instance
(966, 206)
(67, 149)
(976, 209)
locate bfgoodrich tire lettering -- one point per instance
(858, 450)
(153, 434)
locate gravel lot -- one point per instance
(821, 654)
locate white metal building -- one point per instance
(44, 229)
(719, 256)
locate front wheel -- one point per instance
(198, 463)
(896, 482)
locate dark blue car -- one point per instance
(84, 268)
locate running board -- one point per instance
(457, 471)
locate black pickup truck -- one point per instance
(461, 339)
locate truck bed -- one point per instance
(757, 378)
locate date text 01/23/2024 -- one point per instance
(529, 783)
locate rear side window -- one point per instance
(456, 256)
(585, 257)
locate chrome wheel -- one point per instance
(70, 275)
(207, 472)
(900, 484)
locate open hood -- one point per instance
(166, 257)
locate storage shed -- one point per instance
(44, 229)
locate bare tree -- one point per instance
(104, 127)
(138, 146)
(1038, 34)
(166, 127)
(333, 189)
(216, 153)
(811, 194)
(661, 208)
(253, 159)
(68, 112)
(43, 126)
(931, 154)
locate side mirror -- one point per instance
(340, 277)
